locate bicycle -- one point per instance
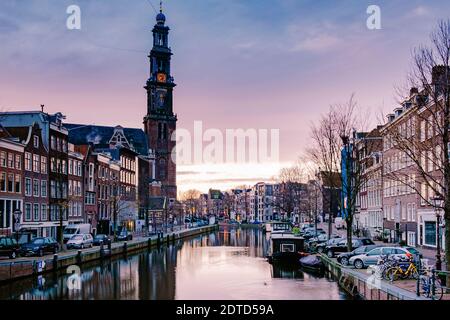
(431, 286)
(403, 271)
(383, 265)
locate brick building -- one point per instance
(11, 173)
(35, 181)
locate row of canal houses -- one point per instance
(88, 174)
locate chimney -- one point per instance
(438, 74)
(413, 91)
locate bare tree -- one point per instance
(288, 197)
(191, 200)
(334, 150)
(422, 140)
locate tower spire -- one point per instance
(160, 6)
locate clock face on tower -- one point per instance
(161, 77)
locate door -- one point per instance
(372, 256)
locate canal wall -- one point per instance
(16, 269)
(364, 285)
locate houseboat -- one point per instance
(285, 246)
(281, 227)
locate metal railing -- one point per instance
(432, 283)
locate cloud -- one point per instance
(317, 43)
(420, 11)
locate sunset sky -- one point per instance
(238, 64)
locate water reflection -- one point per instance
(227, 264)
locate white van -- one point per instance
(73, 229)
(339, 223)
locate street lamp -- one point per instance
(17, 216)
(437, 203)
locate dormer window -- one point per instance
(36, 141)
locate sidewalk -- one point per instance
(428, 253)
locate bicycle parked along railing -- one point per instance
(392, 268)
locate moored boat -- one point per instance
(312, 263)
(285, 246)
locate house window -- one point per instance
(27, 161)
(10, 182)
(422, 131)
(43, 188)
(3, 182)
(18, 162)
(423, 194)
(11, 160)
(430, 233)
(287, 247)
(36, 141)
(43, 165)
(27, 211)
(18, 184)
(64, 166)
(28, 187)
(36, 213)
(411, 238)
(70, 166)
(52, 189)
(43, 212)
(35, 188)
(3, 159)
(36, 163)
(53, 164)
(53, 142)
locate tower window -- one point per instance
(159, 131)
(162, 169)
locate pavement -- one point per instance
(428, 254)
(65, 253)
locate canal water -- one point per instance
(227, 264)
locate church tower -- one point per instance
(160, 121)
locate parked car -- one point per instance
(124, 235)
(98, 239)
(80, 241)
(9, 247)
(339, 223)
(304, 226)
(39, 246)
(321, 246)
(312, 233)
(343, 258)
(341, 246)
(371, 258)
(73, 229)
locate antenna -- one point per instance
(42, 108)
(153, 6)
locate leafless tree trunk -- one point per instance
(424, 165)
(332, 138)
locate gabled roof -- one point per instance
(100, 137)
